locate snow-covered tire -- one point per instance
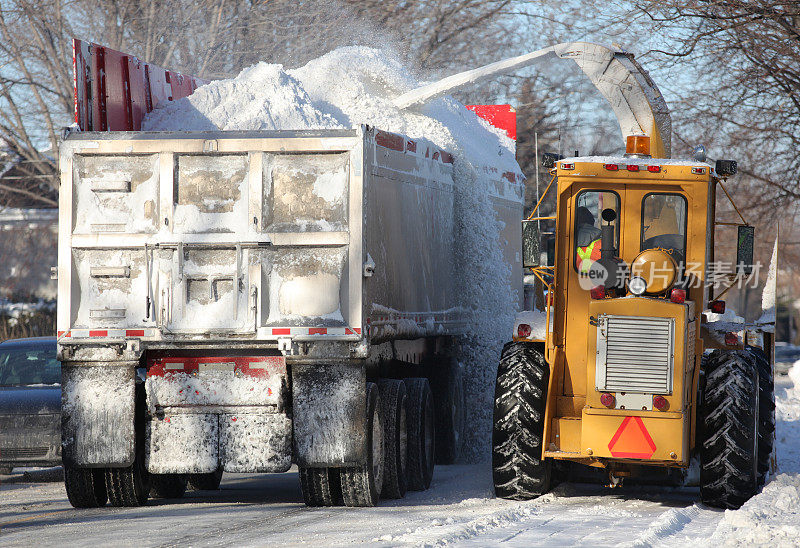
(320, 486)
(518, 469)
(447, 385)
(729, 415)
(86, 487)
(395, 438)
(421, 433)
(208, 481)
(361, 485)
(766, 412)
(168, 486)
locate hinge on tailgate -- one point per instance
(285, 345)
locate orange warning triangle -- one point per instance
(632, 440)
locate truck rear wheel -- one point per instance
(448, 389)
(130, 486)
(86, 487)
(766, 412)
(395, 438)
(205, 482)
(361, 485)
(168, 486)
(518, 469)
(421, 434)
(321, 486)
(729, 448)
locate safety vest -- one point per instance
(587, 255)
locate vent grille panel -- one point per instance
(635, 354)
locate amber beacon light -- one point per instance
(638, 144)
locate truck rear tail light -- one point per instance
(731, 339)
(524, 331)
(698, 170)
(598, 292)
(660, 403)
(717, 307)
(608, 399)
(632, 167)
(654, 169)
(567, 166)
(678, 296)
(611, 167)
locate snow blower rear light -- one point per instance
(660, 403)
(608, 399)
(632, 167)
(524, 331)
(598, 292)
(731, 339)
(717, 307)
(678, 296)
(698, 170)
(567, 166)
(611, 167)
(654, 169)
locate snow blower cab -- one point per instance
(631, 375)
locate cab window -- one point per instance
(589, 206)
(664, 224)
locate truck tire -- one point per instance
(448, 393)
(766, 412)
(205, 482)
(168, 486)
(729, 447)
(421, 433)
(395, 438)
(86, 487)
(321, 486)
(361, 485)
(518, 469)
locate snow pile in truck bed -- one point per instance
(355, 85)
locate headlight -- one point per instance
(657, 268)
(637, 285)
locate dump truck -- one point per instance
(242, 301)
(626, 370)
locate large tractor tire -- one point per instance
(361, 485)
(208, 481)
(518, 469)
(730, 425)
(395, 438)
(168, 486)
(447, 384)
(421, 433)
(86, 487)
(766, 412)
(321, 486)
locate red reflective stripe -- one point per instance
(134, 332)
(411, 146)
(357, 330)
(281, 331)
(60, 333)
(390, 140)
(317, 331)
(99, 333)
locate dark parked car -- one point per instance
(30, 403)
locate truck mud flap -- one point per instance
(329, 408)
(196, 443)
(97, 416)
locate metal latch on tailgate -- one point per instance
(285, 345)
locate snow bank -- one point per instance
(355, 85)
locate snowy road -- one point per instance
(254, 510)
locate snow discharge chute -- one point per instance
(638, 104)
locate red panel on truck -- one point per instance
(500, 116)
(114, 91)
